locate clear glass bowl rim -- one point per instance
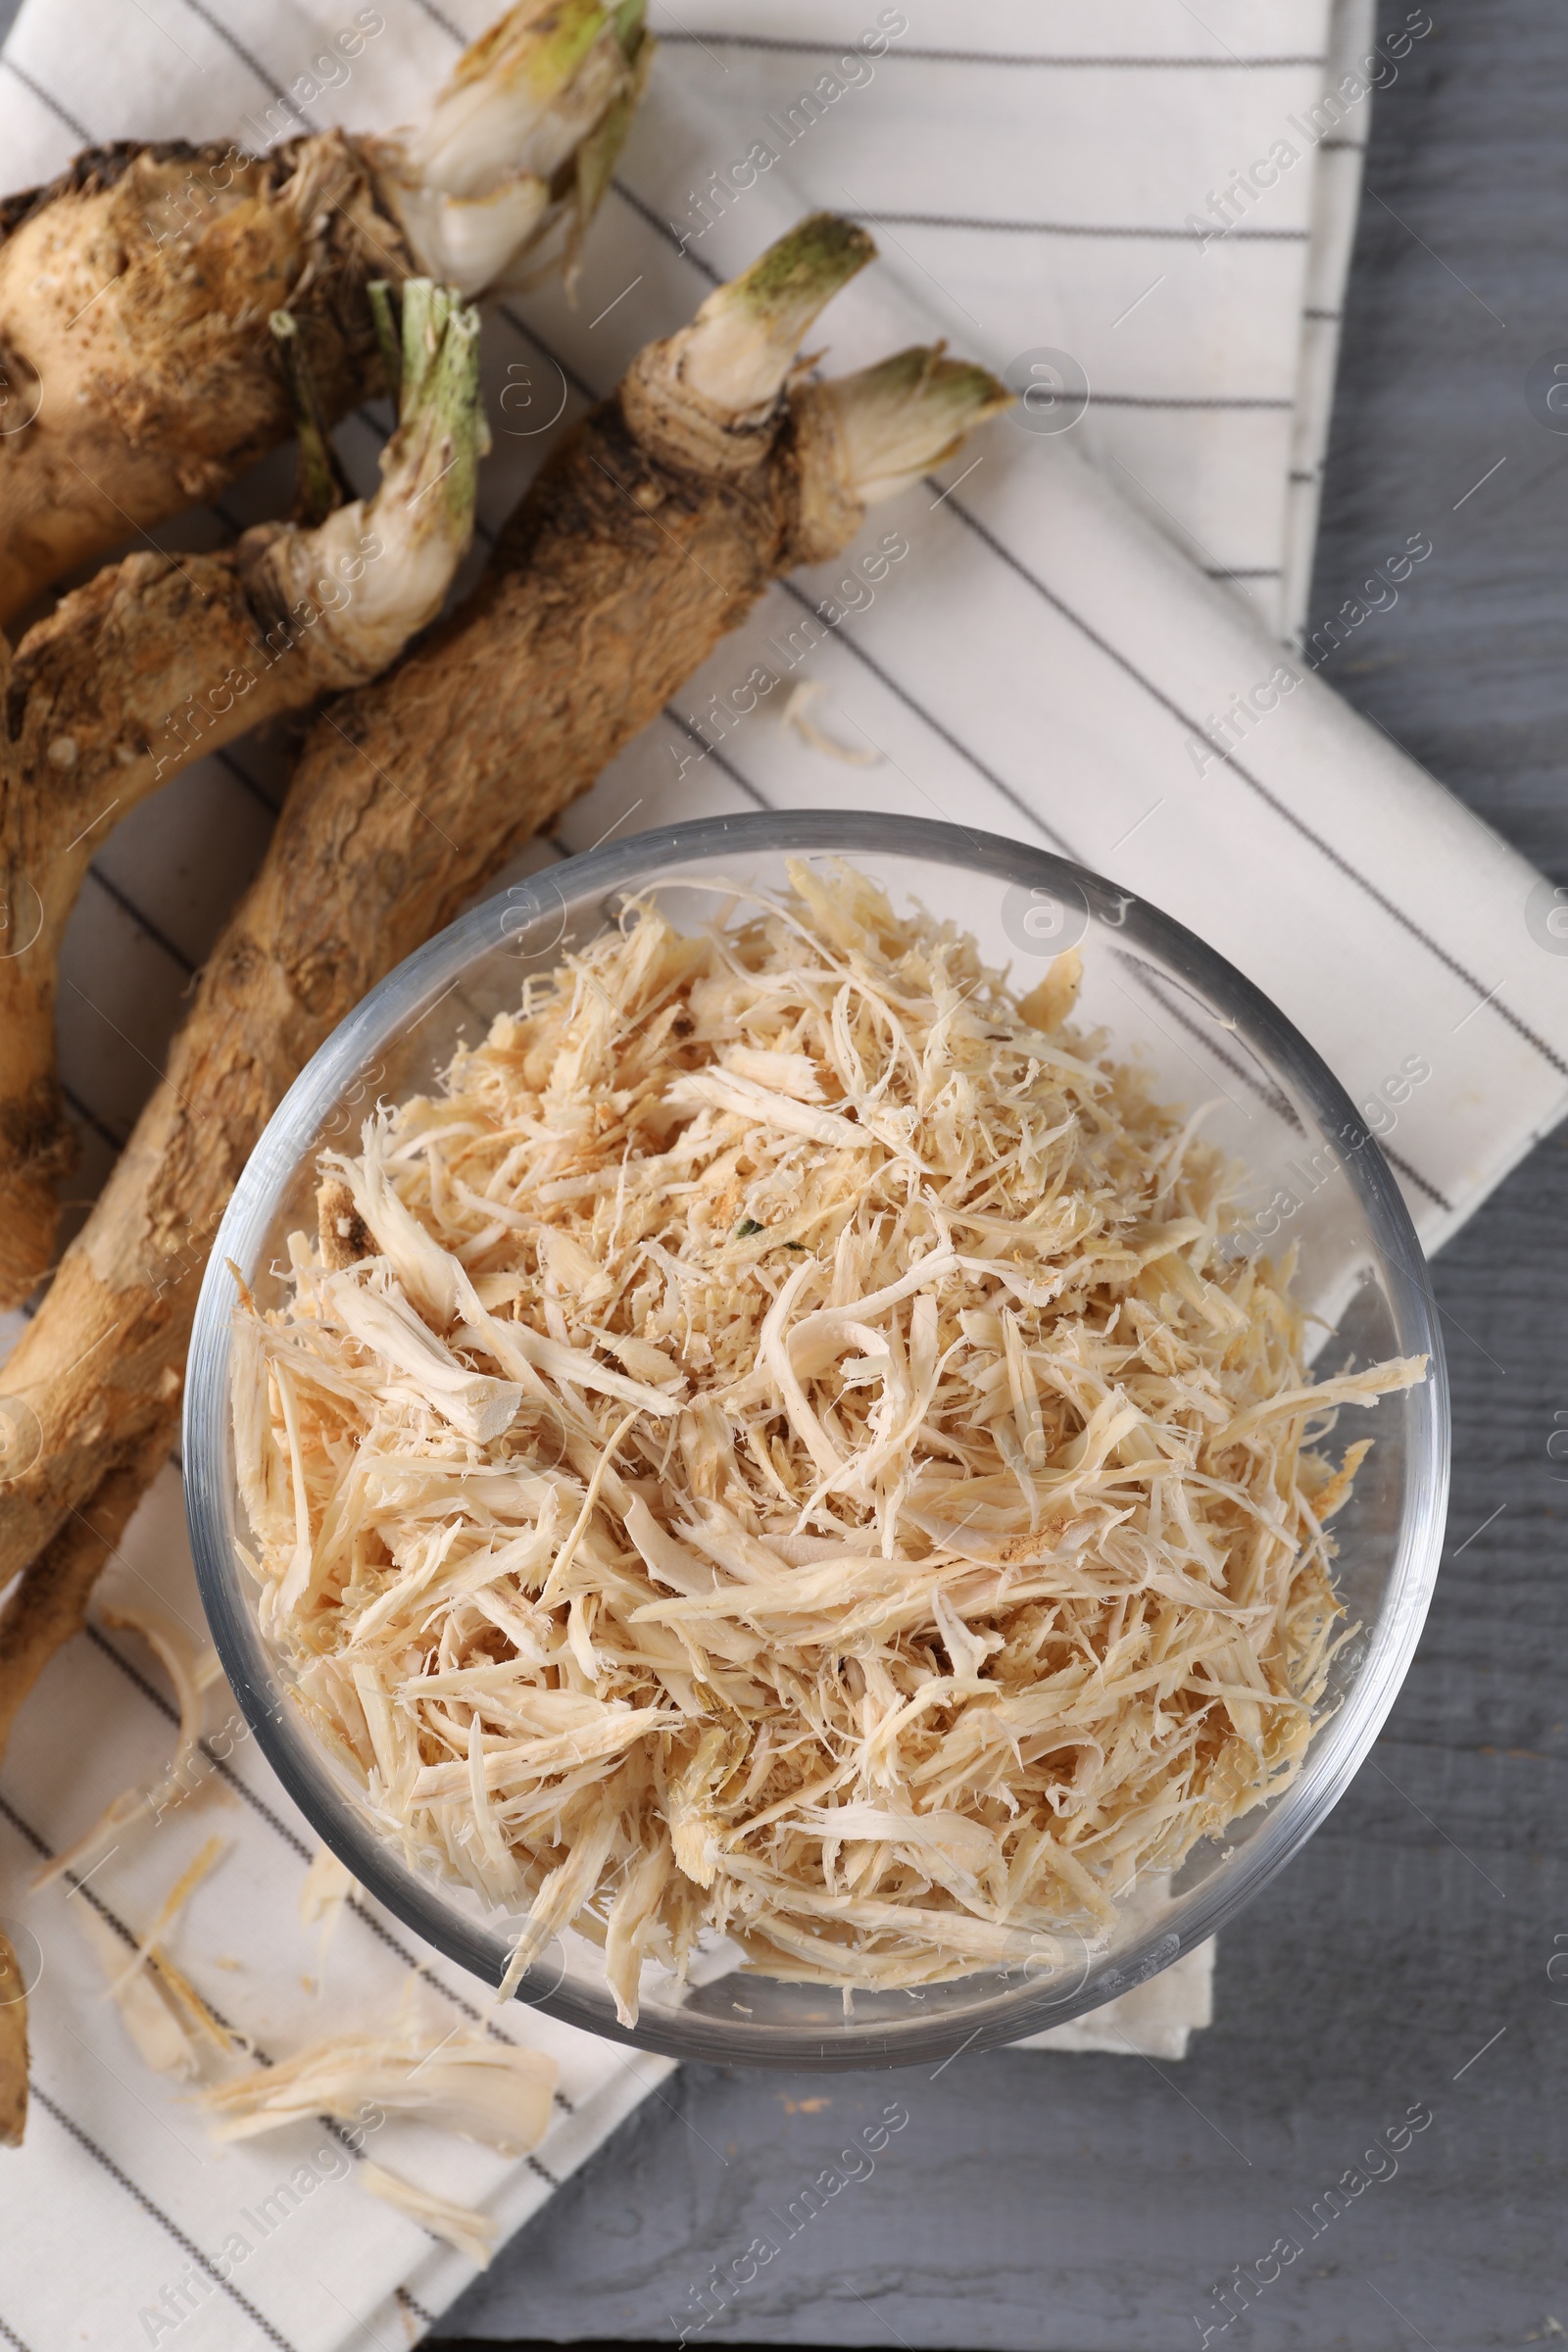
(1339, 1747)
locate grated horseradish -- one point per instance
(776, 1444)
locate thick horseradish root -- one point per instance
(652, 531)
(780, 1442)
(13, 2050)
(161, 659)
(135, 291)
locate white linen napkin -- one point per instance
(1047, 661)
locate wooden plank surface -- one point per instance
(1072, 2204)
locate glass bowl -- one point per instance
(1206, 1034)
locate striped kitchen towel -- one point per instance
(121, 2223)
(1147, 224)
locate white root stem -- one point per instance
(499, 182)
(393, 556)
(906, 415)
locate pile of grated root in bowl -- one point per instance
(779, 1443)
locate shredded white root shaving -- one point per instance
(483, 2090)
(188, 2004)
(160, 2038)
(161, 2010)
(329, 1884)
(473, 2234)
(797, 714)
(191, 1667)
(170, 1909)
(782, 1441)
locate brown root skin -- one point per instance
(13, 2051)
(136, 366)
(616, 577)
(50, 1606)
(157, 661)
(95, 692)
(47, 1610)
(344, 1236)
(134, 300)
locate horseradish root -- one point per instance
(49, 1607)
(135, 291)
(496, 188)
(13, 2050)
(161, 659)
(903, 1523)
(650, 531)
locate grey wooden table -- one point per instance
(1072, 2204)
